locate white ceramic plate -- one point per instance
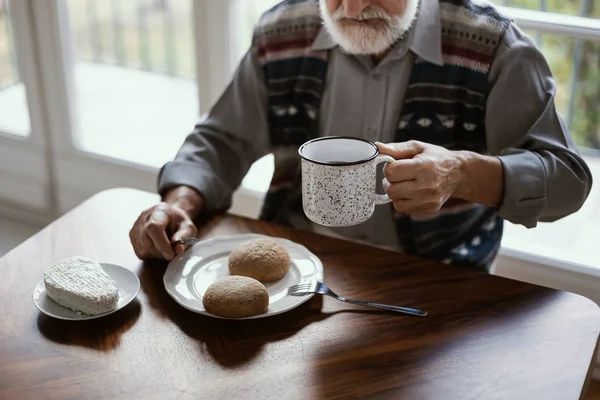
(191, 273)
(126, 281)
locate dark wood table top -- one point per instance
(485, 337)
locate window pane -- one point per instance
(575, 65)
(585, 119)
(245, 14)
(136, 93)
(586, 8)
(14, 114)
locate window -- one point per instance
(574, 61)
(244, 16)
(568, 33)
(575, 65)
(578, 95)
(585, 8)
(14, 115)
(136, 97)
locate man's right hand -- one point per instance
(168, 221)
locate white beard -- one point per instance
(369, 39)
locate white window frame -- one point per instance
(74, 174)
(26, 169)
(71, 174)
(560, 24)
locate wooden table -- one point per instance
(485, 337)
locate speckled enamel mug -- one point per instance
(339, 180)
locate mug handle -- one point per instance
(382, 198)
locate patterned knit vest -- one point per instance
(443, 105)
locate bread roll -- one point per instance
(262, 259)
(236, 297)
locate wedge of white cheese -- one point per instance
(81, 285)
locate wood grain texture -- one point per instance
(594, 391)
(486, 337)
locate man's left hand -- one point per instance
(423, 177)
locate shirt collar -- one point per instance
(425, 36)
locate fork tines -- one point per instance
(302, 287)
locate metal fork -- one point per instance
(186, 242)
(320, 288)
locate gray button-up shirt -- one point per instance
(545, 178)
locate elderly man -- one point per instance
(454, 91)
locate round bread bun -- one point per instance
(236, 297)
(262, 259)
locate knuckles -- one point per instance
(398, 206)
(153, 226)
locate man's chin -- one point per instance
(363, 40)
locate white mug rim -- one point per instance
(343, 164)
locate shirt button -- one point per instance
(376, 76)
(371, 131)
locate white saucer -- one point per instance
(191, 273)
(127, 282)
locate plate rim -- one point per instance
(87, 317)
(306, 298)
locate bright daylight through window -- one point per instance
(135, 94)
(576, 67)
(14, 114)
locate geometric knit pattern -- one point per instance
(443, 105)
(295, 79)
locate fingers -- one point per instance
(401, 151)
(186, 229)
(150, 233)
(157, 231)
(135, 236)
(142, 244)
(178, 249)
(147, 248)
(416, 207)
(400, 190)
(409, 198)
(403, 170)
